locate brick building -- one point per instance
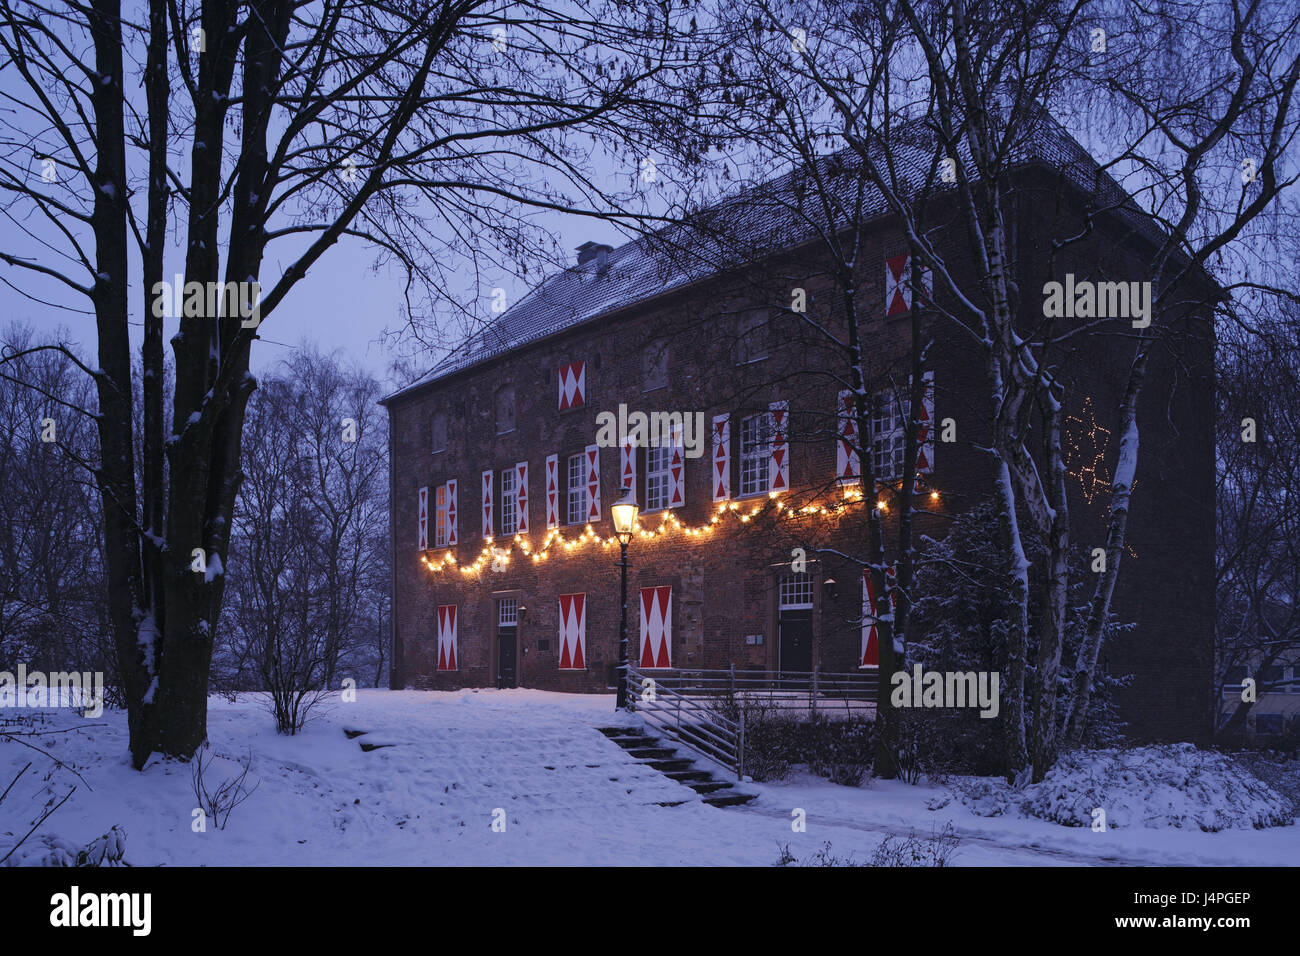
(505, 566)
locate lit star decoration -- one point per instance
(1087, 444)
(497, 557)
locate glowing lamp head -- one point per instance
(623, 513)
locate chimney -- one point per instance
(595, 250)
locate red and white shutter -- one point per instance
(552, 491)
(677, 470)
(487, 504)
(446, 637)
(593, 482)
(657, 627)
(627, 468)
(898, 293)
(925, 428)
(573, 632)
(424, 519)
(870, 656)
(440, 521)
(521, 486)
(451, 513)
(846, 445)
(778, 466)
(721, 457)
(573, 385)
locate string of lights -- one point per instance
(499, 557)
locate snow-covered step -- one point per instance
(650, 751)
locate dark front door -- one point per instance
(507, 655)
(796, 640)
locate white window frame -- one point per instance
(575, 489)
(754, 459)
(509, 502)
(795, 591)
(507, 612)
(658, 477)
(889, 411)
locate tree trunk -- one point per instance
(1121, 492)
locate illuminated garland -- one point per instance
(1081, 430)
(496, 557)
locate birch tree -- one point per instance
(980, 81)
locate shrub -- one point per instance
(934, 850)
(840, 750)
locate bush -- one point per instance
(218, 802)
(934, 850)
(840, 750)
(822, 857)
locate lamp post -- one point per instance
(623, 513)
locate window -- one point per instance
(505, 409)
(654, 366)
(1268, 677)
(755, 450)
(657, 462)
(439, 430)
(1233, 680)
(889, 411)
(509, 502)
(1295, 679)
(440, 524)
(796, 590)
(751, 337)
(507, 612)
(577, 504)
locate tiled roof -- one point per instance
(767, 218)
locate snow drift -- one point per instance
(1175, 785)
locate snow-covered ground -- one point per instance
(569, 795)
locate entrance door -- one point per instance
(796, 641)
(507, 642)
(795, 624)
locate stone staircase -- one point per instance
(668, 761)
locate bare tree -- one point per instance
(431, 129)
(52, 594)
(978, 80)
(1258, 450)
(310, 535)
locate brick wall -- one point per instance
(724, 580)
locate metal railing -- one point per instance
(690, 705)
(693, 721)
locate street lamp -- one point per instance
(623, 513)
